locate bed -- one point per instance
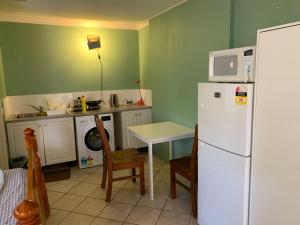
(23, 195)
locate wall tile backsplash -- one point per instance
(20, 104)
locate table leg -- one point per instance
(170, 150)
(150, 162)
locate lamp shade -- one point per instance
(93, 41)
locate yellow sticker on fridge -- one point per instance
(241, 95)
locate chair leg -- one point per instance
(109, 186)
(142, 179)
(172, 183)
(104, 175)
(194, 200)
(133, 174)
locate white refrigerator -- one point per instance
(224, 158)
(275, 181)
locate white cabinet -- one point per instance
(55, 137)
(124, 139)
(59, 141)
(16, 138)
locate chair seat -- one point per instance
(124, 153)
(126, 161)
(182, 166)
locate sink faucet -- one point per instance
(39, 108)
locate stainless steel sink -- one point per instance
(29, 115)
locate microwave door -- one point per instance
(226, 65)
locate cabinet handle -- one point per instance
(140, 114)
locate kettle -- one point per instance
(113, 100)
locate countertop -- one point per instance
(102, 110)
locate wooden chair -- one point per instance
(186, 167)
(35, 208)
(119, 160)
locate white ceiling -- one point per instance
(122, 11)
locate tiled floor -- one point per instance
(80, 200)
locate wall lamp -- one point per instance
(93, 42)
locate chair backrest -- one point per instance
(106, 147)
(194, 158)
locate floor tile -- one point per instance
(93, 178)
(172, 218)
(165, 168)
(120, 184)
(122, 173)
(127, 196)
(49, 184)
(68, 202)
(135, 185)
(77, 219)
(56, 216)
(116, 211)
(101, 193)
(158, 202)
(83, 189)
(162, 176)
(79, 177)
(182, 193)
(143, 216)
(93, 169)
(161, 187)
(102, 221)
(180, 205)
(62, 186)
(193, 221)
(90, 206)
(53, 196)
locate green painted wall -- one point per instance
(50, 59)
(248, 16)
(175, 59)
(2, 79)
(144, 55)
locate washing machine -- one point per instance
(89, 145)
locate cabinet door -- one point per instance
(16, 138)
(129, 118)
(59, 140)
(144, 117)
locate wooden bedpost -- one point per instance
(27, 213)
(35, 208)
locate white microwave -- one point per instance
(232, 65)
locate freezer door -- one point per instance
(223, 187)
(225, 116)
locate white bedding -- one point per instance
(11, 194)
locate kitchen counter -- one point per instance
(102, 110)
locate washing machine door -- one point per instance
(92, 139)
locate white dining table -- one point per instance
(155, 133)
